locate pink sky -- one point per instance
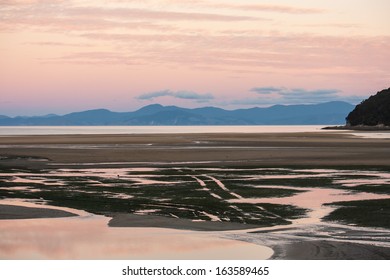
(64, 56)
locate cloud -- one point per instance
(177, 94)
(285, 9)
(192, 95)
(58, 44)
(317, 54)
(304, 92)
(155, 94)
(51, 15)
(28, 2)
(182, 36)
(92, 58)
(149, 14)
(266, 90)
(283, 91)
(284, 95)
(273, 8)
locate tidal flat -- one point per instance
(280, 190)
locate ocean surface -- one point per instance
(57, 130)
(83, 130)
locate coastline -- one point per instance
(378, 128)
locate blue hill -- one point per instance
(332, 113)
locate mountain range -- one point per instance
(324, 113)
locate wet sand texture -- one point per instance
(130, 220)
(20, 212)
(267, 149)
(330, 250)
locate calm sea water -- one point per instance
(53, 130)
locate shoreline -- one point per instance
(358, 128)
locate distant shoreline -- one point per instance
(358, 128)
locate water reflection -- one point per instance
(313, 199)
(91, 238)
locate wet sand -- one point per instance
(330, 250)
(130, 220)
(325, 241)
(268, 149)
(8, 212)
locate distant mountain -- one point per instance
(325, 113)
(374, 111)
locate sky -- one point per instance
(66, 56)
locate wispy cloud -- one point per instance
(155, 14)
(28, 2)
(178, 35)
(274, 9)
(314, 53)
(284, 95)
(269, 101)
(302, 91)
(294, 91)
(63, 10)
(58, 44)
(177, 94)
(103, 58)
(285, 9)
(266, 90)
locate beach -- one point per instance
(267, 149)
(244, 151)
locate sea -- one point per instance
(85, 130)
(80, 130)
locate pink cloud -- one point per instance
(248, 7)
(272, 8)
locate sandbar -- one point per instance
(131, 220)
(261, 149)
(8, 212)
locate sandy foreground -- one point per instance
(267, 149)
